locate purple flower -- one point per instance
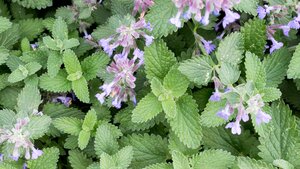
(1, 157)
(36, 153)
(262, 117)
(142, 4)
(226, 112)
(275, 45)
(230, 17)
(261, 12)
(209, 47)
(286, 29)
(176, 20)
(106, 46)
(235, 127)
(294, 24)
(216, 96)
(24, 166)
(67, 101)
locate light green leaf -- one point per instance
(29, 99)
(255, 71)
(81, 90)
(228, 73)
(78, 160)
(148, 149)
(10, 37)
(180, 161)
(24, 71)
(276, 66)
(146, 109)
(198, 69)
(38, 126)
(156, 87)
(60, 29)
(108, 29)
(4, 81)
(231, 49)
(83, 139)
(54, 63)
(37, 4)
(4, 24)
(250, 163)
(176, 145)
(270, 94)
(3, 54)
(186, 123)
(71, 62)
(247, 6)
(294, 68)
(209, 159)
(158, 60)
(31, 28)
(120, 160)
(50, 158)
(175, 82)
(70, 43)
(92, 65)
(59, 83)
(89, 120)
(209, 116)
(69, 125)
(7, 118)
(50, 43)
(252, 30)
(106, 139)
(159, 15)
(74, 76)
(169, 107)
(159, 166)
(280, 137)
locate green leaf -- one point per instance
(10, 37)
(4, 81)
(120, 160)
(186, 123)
(121, 7)
(29, 99)
(74, 76)
(69, 125)
(175, 82)
(146, 109)
(159, 166)
(24, 71)
(60, 29)
(169, 107)
(209, 116)
(54, 63)
(31, 28)
(38, 4)
(228, 74)
(83, 139)
(159, 15)
(209, 159)
(158, 60)
(247, 6)
(81, 90)
(176, 145)
(283, 164)
(92, 65)
(250, 163)
(198, 69)
(8, 97)
(38, 126)
(252, 30)
(148, 149)
(4, 24)
(270, 94)
(108, 29)
(55, 110)
(280, 137)
(156, 87)
(70, 43)
(59, 83)
(7, 118)
(71, 62)
(294, 69)
(276, 66)
(255, 71)
(180, 161)
(78, 160)
(89, 120)
(231, 49)
(221, 138)
(106, 139)
(50, 43)
(4, 53)
(50, 158)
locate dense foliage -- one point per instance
(149, 84)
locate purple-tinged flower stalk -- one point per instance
(20, 138)
(122, 87)
(255, 105)
(144, 5)
(216, 96)
(126, 37)
(208, 46)
(194, 8)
